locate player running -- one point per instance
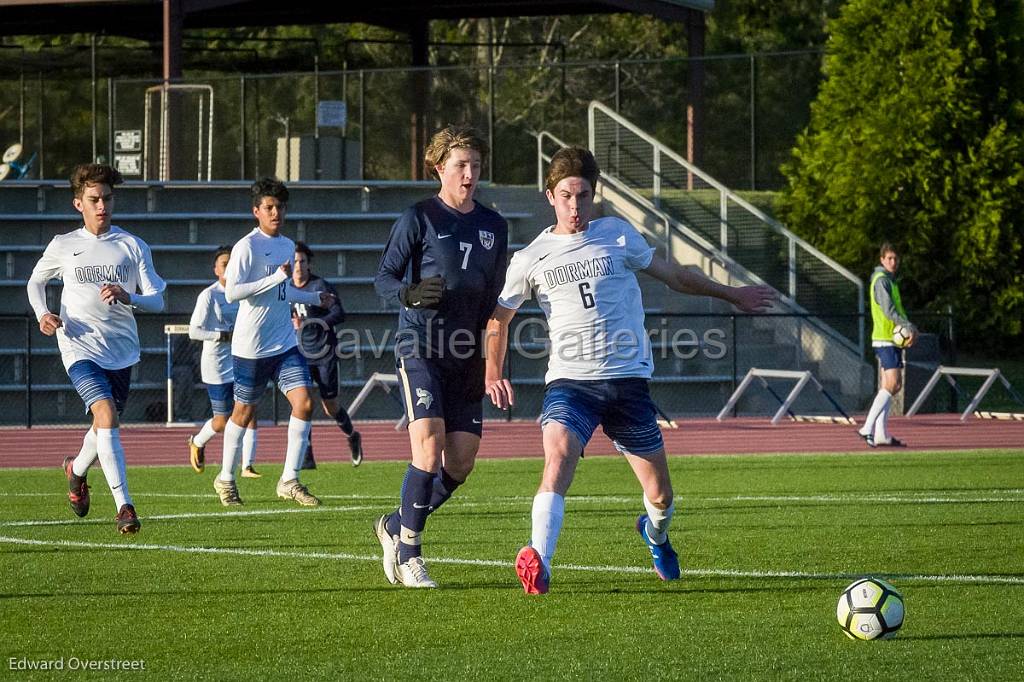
(583, 274)
(107, 273)
(212, 322)
(445, 263)
(317, 340)
(263, 345)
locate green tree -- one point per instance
(916, 137)
(738, 26)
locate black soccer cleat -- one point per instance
(127, 520)
(78, 489)
(355, 446)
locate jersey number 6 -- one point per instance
(588, 298)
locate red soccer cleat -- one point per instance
(531, 571)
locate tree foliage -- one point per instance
(917, 137)
(745, 26)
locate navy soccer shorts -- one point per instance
(891, 357)
(449, 390)
(325, 375)
(623, 408)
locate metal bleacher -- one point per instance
(346, 224)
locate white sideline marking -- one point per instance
(909, 497)
(894, 499)
(710, 572)
(510, 500)
(518, 500)
(201, 496)
(194, 515)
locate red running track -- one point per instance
(153, 445)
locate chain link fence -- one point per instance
(698, 361)
(754, 106)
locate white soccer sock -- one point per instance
(111, 456)
(298, 440)
(233, 434)
(658, 521)
(87, 455)
(205, 434)
(882, 425)
(548, 510)
(248, 448)
(880, 404)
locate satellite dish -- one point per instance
(5, 170)
(12, 153)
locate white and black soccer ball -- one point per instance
(902, 335)
(870, 608)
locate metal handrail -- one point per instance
(674, 226)
(543, 158)
(725, 191)
(725, 195)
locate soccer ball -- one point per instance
(870, 609)
(901, 336)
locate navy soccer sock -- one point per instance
(416, 491)
(442, 487)
(344, 423)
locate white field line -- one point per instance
(392, 498)
(911, 498)
(195, 515)
(908, 497)
(461, 498)
(490, 504)
(331, 556)
(512, 500)
(503, 502)
(202, 496)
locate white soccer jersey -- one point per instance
(263, 327)
(93, 330)
(213, 315)
(586, 285)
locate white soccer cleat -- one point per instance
(413, 573)
(293, 490)
(389, 548)
(228, 492)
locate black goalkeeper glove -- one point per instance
(425, 294)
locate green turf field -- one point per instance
(768, 542)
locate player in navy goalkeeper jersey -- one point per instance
(314, 327)
(445, 264)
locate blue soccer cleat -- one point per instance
(666, 561)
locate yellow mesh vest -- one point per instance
(882, 326)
